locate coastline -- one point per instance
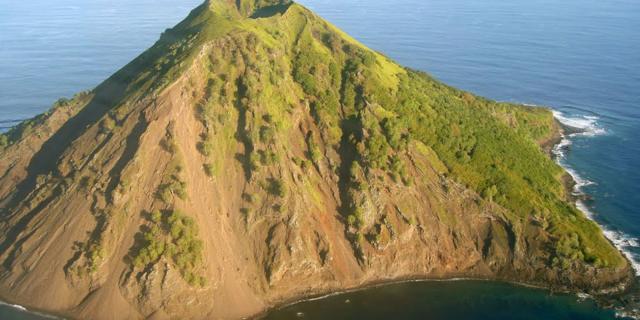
(383, 283)
(573, 183)
(36, 312)
(609, 298)
(627, 302)
(616, 298)
(558, 144)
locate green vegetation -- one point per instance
(313, 152)
(393, 132)
(205, 147)
(491, 147)
(262, 72)
(89, 255)
(95, 255)
(267, 134)
(4, 141)
(356, 219)
(107, 125)
(487, 146)
(370, 111)
(567, 250)
(276, 187)
(399, 170)
(173, 236)
(268, 158)
(168, 142)
(37, 124)
(377, 151)
(172, 183)
(209, 169)
(302, 163)
(490, 193)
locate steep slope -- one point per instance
(256, 154)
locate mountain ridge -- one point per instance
(256, 154)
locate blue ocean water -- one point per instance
(580, 57)
(52, 49)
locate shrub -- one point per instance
(276, 187)
(376, 150)
(254, 161)
(354, 170)
(356, 218)
(169, 146)
(352, 220)
(392, 131)
(172, 185)
(156, 216)
(568, 249)
(398, 170)
(267, 134)
(173, 236)
(173, 188)
(107, 125)
(168, 141)
(205, 147)
(304, 67)
(303, 164)
(95, 255)
(209, 169)
(313, 152)
(268, 158)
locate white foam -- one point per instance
(15, 306)
(580, 181)
(588, 127)
(23, 309)
(560, 148)
(583, 296)
(620, 240)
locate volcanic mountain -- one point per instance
(256, 154)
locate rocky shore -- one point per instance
(625, 301)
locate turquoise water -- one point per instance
(581, 57)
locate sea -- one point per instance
(579, 57)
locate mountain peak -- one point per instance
(254, 8)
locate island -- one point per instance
(257, 155)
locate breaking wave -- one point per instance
(23, 309)
(587, 126)
(15, 306)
